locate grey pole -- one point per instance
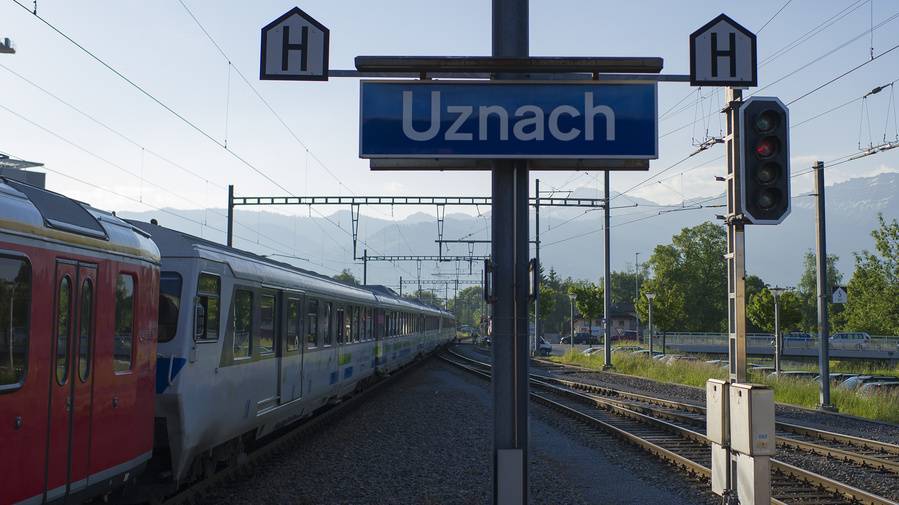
(230, 238)
(649, 297)
(736, 246)
(365, 270)
(401, 285)
(637, 291)
(509, 230)
(778, 338)
(607, 290)
(823, 323)
(537, 256)
(571, 338)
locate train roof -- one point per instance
(33, 212)
(174, 243)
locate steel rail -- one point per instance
(888, 460)
(623, 409)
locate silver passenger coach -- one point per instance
(248, 345)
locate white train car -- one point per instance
(248, 345)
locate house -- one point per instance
(623, 319)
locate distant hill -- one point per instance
(572, 239)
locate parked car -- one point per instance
(850, 340)
(581, 339)
(796, 374)
(859, 380)
(879, 387)
(674, 359)
(543, 347)
(794, 337)
(838, 377)
(627, 335)
(717, 362)
(645, 352)
(660, 356)
(591, 350)
(626, 348)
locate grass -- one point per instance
(790, 390)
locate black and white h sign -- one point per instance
(294, 48)
(723, 53)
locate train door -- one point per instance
(269, 347)
(291, 361)
(71, 379)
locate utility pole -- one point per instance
(509, 230)
(538, 276)
(778, 338)
(365, 268)
(607, 290)
(401, 285)
(571, 337)
(230, 238)
(637, 291)
(649, 297)
(823, 289)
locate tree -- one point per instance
(754, 286)
(760, 310)
(873, 304)
(469, 305)
(808, 290)
(689, 279)
(547, 303)
(588, 300)
(426, 297)
(346, 276)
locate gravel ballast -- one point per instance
(427, 438)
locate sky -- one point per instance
(148, 158)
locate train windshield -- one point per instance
(169, 303)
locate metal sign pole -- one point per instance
(537, 257)
(607, 273)
(510, 311)
(823, 290)
(736, 265)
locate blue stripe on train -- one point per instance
(333, 377)
(163, 372)
(347, 372)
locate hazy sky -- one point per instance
(158, 46)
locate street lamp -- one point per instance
(778, 339)
(649, 297)
(571, 297)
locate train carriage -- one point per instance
(78, 311)
(248, 345)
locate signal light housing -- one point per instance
(764, 169)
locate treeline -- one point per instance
(689, 280)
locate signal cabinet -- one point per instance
(752, 419)
(753, 479)
(716, 399)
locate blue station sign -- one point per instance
(500, 119)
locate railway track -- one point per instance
(667, 430)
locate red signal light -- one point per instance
(766, 147)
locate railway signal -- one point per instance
(764, 160)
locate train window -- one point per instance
(341, 325)
(85, 329)
(207, 308)
(124, 323)
(326, 326)
(15, 307)
(63, 327)
(349, 323)
(266, 324)
(312, 322)
(357, 325)
(169, 304)
(292, 342)
(369, 327)
(243, 323)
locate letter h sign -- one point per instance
(723, 53)
(294, 48)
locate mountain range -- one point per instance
(571, 238)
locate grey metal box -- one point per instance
(716, 400)
(752, 419)
(719, 469)
(753, 479)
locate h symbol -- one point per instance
(286, 47)
(730, 53)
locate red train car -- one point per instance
(79, 292)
